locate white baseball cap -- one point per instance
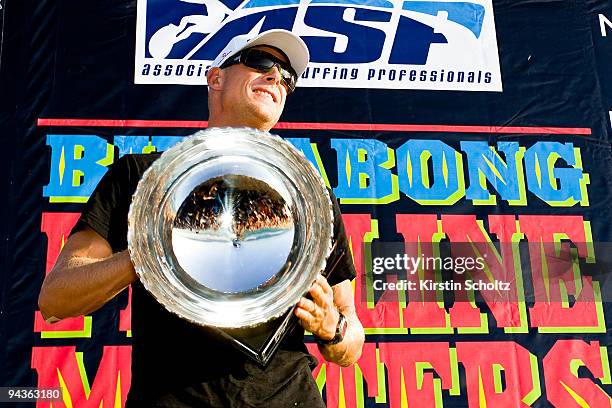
(292, 45)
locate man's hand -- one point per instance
(319, 315)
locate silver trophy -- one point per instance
(228, 229)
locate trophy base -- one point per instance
(261, 341)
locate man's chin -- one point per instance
(263, 120)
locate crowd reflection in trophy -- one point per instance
(249, 204)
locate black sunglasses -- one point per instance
(263, 61)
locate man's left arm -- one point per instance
(320, 316)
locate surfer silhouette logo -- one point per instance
(164, 39)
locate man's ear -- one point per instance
(215, 78)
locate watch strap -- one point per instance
(340, 332)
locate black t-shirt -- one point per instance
(178, 364)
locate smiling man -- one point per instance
(249, 81)
(175, 363)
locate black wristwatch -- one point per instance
(340, 331)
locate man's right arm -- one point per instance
(86, 276)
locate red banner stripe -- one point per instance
(122, 123)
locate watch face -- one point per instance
(342, 326)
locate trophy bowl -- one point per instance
(230, 227)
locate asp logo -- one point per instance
(398, 44)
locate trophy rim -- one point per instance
(150, 232)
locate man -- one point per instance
(175, 363)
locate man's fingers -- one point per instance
(314, 314)
(318, 296)
(304, 316)
(307, 319)
(307, 304)
(327, 289)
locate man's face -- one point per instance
(254, 98)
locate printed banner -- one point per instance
(467, 142)
(397, 44)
